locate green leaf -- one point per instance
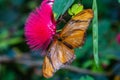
(95, 33)
(82, 78)
(75, 9)
(89, 78)
(60, 7)
(87, 64)
(4, 44)
(119, 1)
(86, 78)
(10, 75)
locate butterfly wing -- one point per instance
(58, 55)
(47, 68)
(73, 33)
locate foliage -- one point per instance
(62, 7)
(95, 32)
(75, 9)
(119, 1)
(86, 78)
(13, 14)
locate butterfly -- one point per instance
(61, 50)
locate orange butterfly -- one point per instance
(61, 50)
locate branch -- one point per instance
(85, 71)
(26, 60)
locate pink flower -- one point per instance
(118, 38)
(40, 26)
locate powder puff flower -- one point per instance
(40, 26)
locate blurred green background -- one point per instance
(17, 62)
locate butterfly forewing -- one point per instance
(75, 39)
(59, 55)
(74, 31)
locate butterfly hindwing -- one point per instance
(74, 31)
(47, 68)
(59, 55)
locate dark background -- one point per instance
(18, 63)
